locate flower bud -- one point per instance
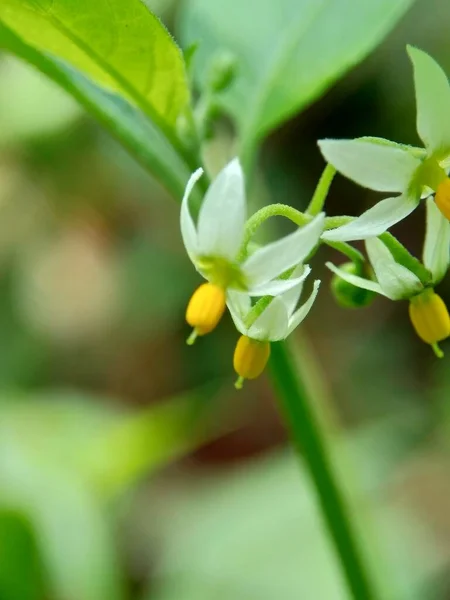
(429, 317)
(442, 198)
(205, 308)
(222, 71)
(250, 358)
(348, 295)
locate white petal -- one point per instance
(374, 221)
(272, 323)
(365, 284)
(436, 251)
(276, 286)
(222, 215)
(276, 258)
(188, 231)
(396, 281)
(292, 296)
(377, 166)
(303, 311)
(433, 102)
(239, 305)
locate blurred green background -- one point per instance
(130, 468)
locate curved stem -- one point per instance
(258, 218)
(297, 407)
(321, 191)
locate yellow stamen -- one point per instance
(205, 309)
(442, 197)
(430, 318)
(250, 358)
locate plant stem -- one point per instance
(321, 191)
(297, 407)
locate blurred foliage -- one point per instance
(114, 481)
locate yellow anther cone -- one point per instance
(205, 308)
(429, 316)
(250, 358)
(442, 198)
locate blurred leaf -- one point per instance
(152, 142)
(63, 454)
(289, 52)
(20, 568)
(30, 104)
(256, 533)
(119, 44)
(72, 534)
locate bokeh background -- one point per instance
(130, 468)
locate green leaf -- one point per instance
(255, 532)
(289, 52)
(118, 44)
(142, 137)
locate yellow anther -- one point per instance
(205, 309)
(442, 198)
(430, 318)
(250, 358)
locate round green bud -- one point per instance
(222, 71)
(347, 294)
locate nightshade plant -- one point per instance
(130, 74)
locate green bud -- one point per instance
(222, 71)
(186, 130)
(348, 295)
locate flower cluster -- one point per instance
(262, 289)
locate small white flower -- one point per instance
(385, 166)
(214, 243)
(280, 318)
(396, 281)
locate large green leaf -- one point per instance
(289, 51)
(143, 138)
(119, 44)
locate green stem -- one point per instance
(352, 253)
(258, 218)
(321, 191)
(297, 407)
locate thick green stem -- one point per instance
(321, 192)
(298, 409)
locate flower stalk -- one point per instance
(309, 440)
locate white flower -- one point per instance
(396, 281)
(214, 243)
(280, 318)
(385, 166)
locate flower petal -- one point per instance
(276, 258)
(272, 323)
(292, 296)
(377, 166)
(396, 281)
(436, 251)
(361, 282)
(239, 305)
(374, 221)
(276, 286)
(303, 311)
(433, 102)
(222, 215)
(188, 231)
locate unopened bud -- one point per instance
(347, 294)
(222, 71)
